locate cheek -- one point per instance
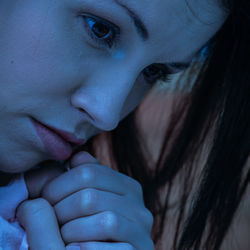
(34, 37)
(22, 46)
(40, 51)
(136, 96)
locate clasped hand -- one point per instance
(91, 206)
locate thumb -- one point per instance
(82, 157)
(36, 179)
(39, 221)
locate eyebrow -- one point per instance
(140, 27)
(144, 34)
(179, 65)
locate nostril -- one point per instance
(100, 118)
(83, 104)
(85, 112)
(99, 104)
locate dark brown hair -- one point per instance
(220, 99)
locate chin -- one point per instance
(20, 163)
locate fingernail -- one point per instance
(73, 248)
(81, 158)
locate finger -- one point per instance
(40, 223)
(82, 157)
(91, 176)
(71, 247)
(91, 201)
(103, 246)
(36, 179)
(106, 226)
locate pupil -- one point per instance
(151, 71)
(100, 30)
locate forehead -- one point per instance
(180, 27)
(177, 28)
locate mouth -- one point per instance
(67, 136)
(54, 142)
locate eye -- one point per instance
(156, 72)
(102, 31)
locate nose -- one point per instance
(102, 96)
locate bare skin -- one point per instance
(55, 69)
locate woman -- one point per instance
(72, 51)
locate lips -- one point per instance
(55, 141)
(69, 137)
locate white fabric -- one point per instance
(12, 235)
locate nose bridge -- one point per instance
(103, 94)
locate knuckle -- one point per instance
(65, 233)
(145, 217)
(138, 187)
(32, 208)
(86, 174)
(37, 206)
(148, 217)
(129, 247)
(151, 244)
(109, 222)
(22, 208)
(88, 199)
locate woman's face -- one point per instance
(78, 65)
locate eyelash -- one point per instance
(115, 39)
(163, 75)
(108, 42)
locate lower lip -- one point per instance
(54, 144)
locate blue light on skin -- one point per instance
(119, 54)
